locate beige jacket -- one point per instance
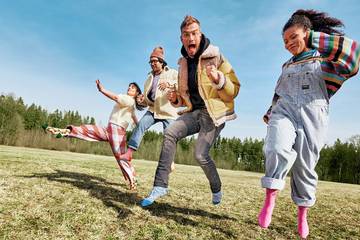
(123, 111)
(219, 99)
(161, 107)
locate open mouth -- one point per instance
(192, 46)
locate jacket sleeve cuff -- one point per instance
(221, 83)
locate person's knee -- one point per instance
(201, 157)
(273, 150)
(170, 134)
(142, 126)
(197, 156)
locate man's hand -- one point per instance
(162, 86)
(212, 73)
(99, 85)
(172, 97)
(140, 99)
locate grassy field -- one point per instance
(61, 195)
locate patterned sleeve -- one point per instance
(341, 56)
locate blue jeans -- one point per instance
(144, 124)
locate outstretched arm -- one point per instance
(107, 93)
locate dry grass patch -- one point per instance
(61, 195)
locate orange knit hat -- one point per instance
(158, 52)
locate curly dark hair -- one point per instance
(138, 92)
(317, 21)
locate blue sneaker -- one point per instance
(155, 194)
(216, 198)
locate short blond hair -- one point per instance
(187, 21)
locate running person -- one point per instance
(122, 115)
(323, 58)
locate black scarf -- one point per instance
(192, 63)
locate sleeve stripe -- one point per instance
(339, 50)
(332, 83)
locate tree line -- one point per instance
(20, 125)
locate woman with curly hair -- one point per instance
(323, 58)
(122, 115)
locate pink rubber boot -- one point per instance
(303, 227)
(264, 217)
(128, 155)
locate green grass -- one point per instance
(61, 195)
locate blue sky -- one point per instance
(51, 52)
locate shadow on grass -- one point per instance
(181, 216)
(103, 190)
(97, 187)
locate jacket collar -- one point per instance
(211, 51)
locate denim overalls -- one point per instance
(296, 130)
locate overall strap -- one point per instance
(317, 58)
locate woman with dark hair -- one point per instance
(323, 58)
(122, 115)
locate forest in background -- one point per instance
(20, 125)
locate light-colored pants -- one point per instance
(296, 131)
(295, 143)
(144, 124)
(188, 124)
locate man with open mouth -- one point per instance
(207, 86)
